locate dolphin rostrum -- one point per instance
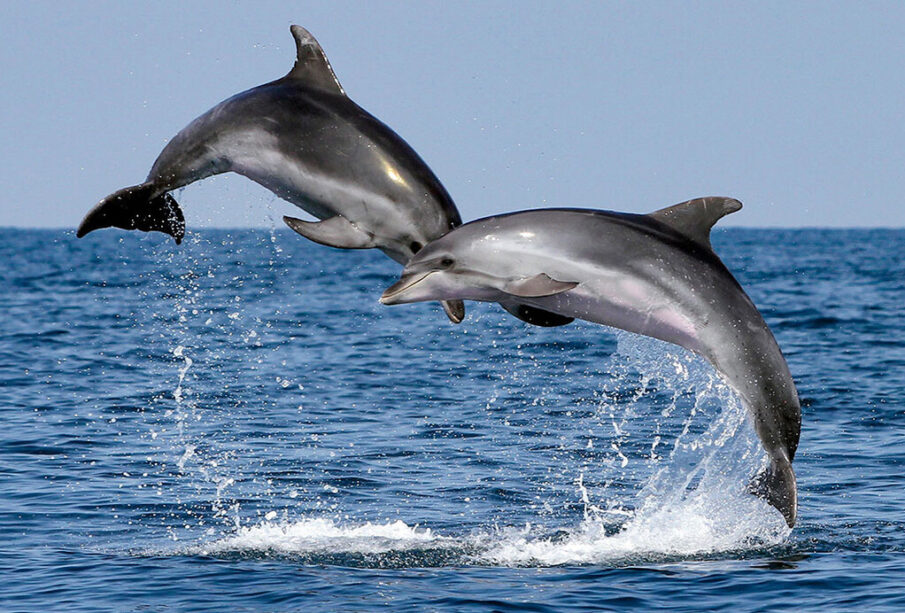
(653, 274)
(302, 138)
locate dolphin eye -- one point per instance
(446, 262)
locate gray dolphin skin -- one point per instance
(652, 274)
(302, 138)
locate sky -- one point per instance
(797, 109)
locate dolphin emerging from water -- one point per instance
(653, 274)
(302, 138)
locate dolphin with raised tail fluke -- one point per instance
(653, 274)
(302, 138)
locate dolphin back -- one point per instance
(772, 398)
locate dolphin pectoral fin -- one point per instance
(776, 484)
(311, 65)
(695, 218)
(136, 208)
(536, 316)
(333, 232)
(537, 286)
(454, 309)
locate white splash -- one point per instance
(321, 535)
(696, 528)
(705, 523)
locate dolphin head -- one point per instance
(406, 250)
(439, 271)
(484, 260)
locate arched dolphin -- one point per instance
(302, 138)
(653, 274)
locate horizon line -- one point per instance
(285, 229)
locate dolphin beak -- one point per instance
(394, 294)
(397, 294)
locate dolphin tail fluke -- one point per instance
(776, 484)
(136, 208)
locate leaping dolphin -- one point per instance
(652, 274)
(302, 138)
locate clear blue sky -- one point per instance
(797, 109)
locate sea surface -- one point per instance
(236, 424)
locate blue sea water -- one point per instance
(237, 424)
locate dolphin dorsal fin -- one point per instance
(311, 65)
(695, 218)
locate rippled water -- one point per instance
(236, 423)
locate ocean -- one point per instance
(237, 424)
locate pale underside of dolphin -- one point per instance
(653, 274)
(302, 138)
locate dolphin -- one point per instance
(652, 274)
(302, 138)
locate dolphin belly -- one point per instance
(258, 156)
(627, 303)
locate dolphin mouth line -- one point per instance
(403, 285)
